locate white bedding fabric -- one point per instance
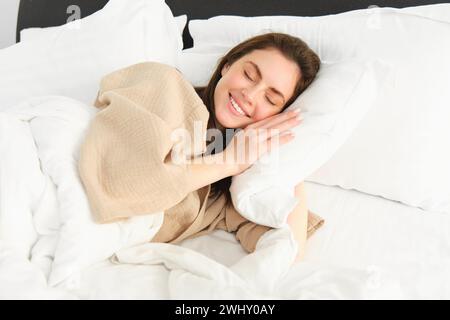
(369, 247)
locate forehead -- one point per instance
(277, 70)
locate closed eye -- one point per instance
(270, 101)
(247, 76)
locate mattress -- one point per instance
(367, 243)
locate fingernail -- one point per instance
(297, 110)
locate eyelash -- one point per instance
(270, 101)
(248, 77)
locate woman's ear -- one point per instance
(225, 69)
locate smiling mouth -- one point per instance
(236, 107)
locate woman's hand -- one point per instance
(258, 138)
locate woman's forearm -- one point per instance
(208, 169)
(298, 220)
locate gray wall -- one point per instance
(8, 22)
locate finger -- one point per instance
(277, 141)
(282, 117)
(281, 128)
(275, 119)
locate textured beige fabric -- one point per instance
(222, 215)
(125, 162)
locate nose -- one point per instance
(249, 95)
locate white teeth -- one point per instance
(236, 107)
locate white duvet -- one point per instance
(51, 249)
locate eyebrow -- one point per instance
(260, 75)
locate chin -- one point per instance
(226, 123)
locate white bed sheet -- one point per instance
(401, 248)
(375, 234)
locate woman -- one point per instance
(260, 77)
(125, 164)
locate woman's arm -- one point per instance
(208, 169)
(298, 220)
(238, 156)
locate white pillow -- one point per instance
(332, 107)
(226, 30)
(72, 60)
(34, 33)
(401, 150)
(439, 11)
(197, 66)
(181, 23)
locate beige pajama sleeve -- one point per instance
(248, 233)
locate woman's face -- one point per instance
(255, 87)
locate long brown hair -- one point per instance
(291, 47)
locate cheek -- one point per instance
(226, 84)
(264, 113)
(221, 93)
(233, 80)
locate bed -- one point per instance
(348, 259)
(370, 247)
